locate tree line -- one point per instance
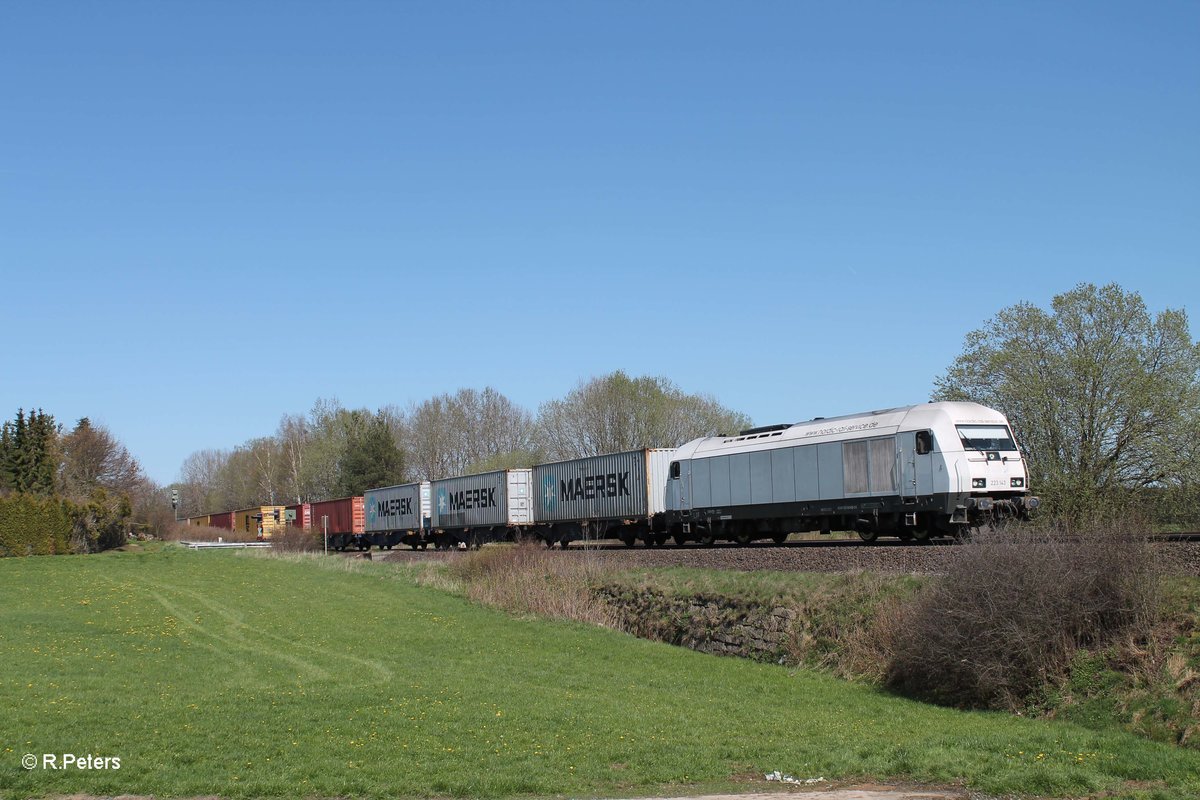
(336, 452)
(1103, 397)
(70, 491)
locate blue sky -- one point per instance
(212, 214)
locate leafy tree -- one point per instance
(1103, 397)
(616, 412)
(371, 457)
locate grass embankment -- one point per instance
(242, 676)
(1148, 684)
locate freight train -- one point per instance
(937, 469)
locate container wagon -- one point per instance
(399, 515)
(472, 510)
(617, 496)
(344, 521)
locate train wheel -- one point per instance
(867, 534)
(742, 539)
(708, 540)
(628, 540)
(779, 538)
(680, 539)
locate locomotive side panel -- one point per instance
(783, 474)
(829, 472)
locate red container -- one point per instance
(222, 520)
(346, 515)
(301, 515)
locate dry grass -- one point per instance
(529, 579)
(1012, 610)
(202, 533)
(296, 540)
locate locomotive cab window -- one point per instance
(674, 469)
(986, 437)
(924, 443)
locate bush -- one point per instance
(35, 525)
(1004, 622)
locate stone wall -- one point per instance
(714, 624)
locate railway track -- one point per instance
(1180, 552)
(940, 541)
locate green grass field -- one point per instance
(247, 676)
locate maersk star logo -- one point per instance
(442, 502)
(372, 510)
(549, 496)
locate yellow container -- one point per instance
(260, 520)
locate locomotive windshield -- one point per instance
(986, 437)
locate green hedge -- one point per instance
(35, 525)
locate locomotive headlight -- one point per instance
(978, 483)
(1018, 483)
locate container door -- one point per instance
(518, 496)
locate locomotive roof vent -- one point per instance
(764, 429)
(758, 433)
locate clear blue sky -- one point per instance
(214, 213)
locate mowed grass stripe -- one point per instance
(244, 676)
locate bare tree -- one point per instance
(616, 413)
(92, 457)
(467, 431)
(200, 483)
(293, 435)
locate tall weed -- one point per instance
(530, 579)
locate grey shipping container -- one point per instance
(613, 486)
(397, 508)
(489, 500)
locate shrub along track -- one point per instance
(1180, 557)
